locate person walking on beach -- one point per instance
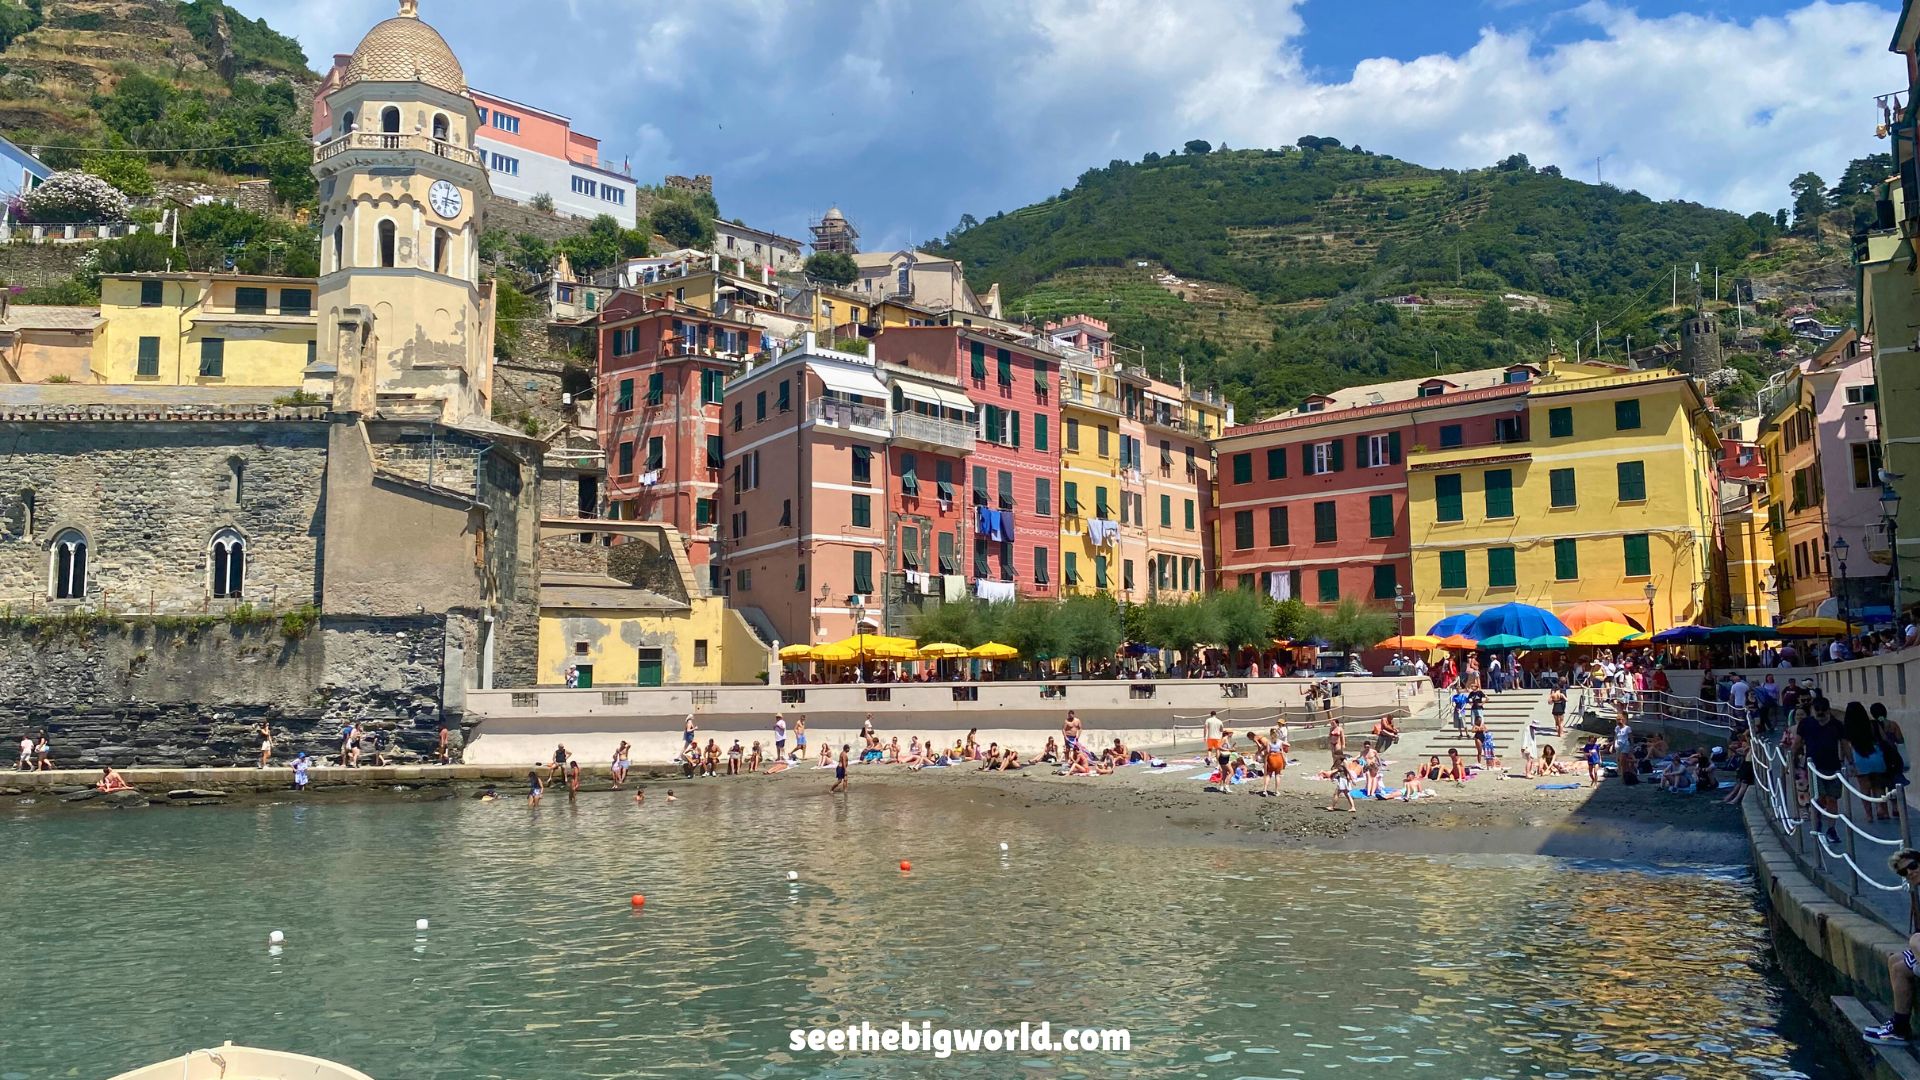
(1342, 785)
(840, 771)
(1210, 728)
(800, 738)
(534, 790)
(42, 753)
(25, 764)
(1902, 969)
(1337, 738)
(1558, 699)
(780, 736)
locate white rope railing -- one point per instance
(1772, 770)
(1703, 711)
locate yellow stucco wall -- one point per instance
(1674, 516)
(1095, 479)
(270, 349)
(614, 637)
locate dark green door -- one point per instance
(583, 676)
(652, 671)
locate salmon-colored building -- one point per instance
(804, 509)
(929, 518)
(662, 375)
(1313, 504)
(1012, 540)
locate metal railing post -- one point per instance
(1900, 807)
(1847, 841)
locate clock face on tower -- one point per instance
(444, 198)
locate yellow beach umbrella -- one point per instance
(837, 653)
(1814, 627)
(993, 650)
(796, 652)
(942, 650)
(1602, 633)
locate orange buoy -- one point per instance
(905, 865)
(639, 901)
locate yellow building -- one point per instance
(190, 329)
(1172, 427)
(1090, 481)
(1748, 551)
(1602, 491)
(638, 619)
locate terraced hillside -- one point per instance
(1275, 273)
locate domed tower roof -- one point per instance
(405, 49)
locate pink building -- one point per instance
(1013, 476)
(804, 506)
(1839, 380)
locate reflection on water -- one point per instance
(140, 935)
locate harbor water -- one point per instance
(139, 935)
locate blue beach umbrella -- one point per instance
(1452, 624)
(1682, 635)
(1519, 620)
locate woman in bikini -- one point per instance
(1337, 738)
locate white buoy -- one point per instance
(1003, 845)
(793, 875)
(276, 937)
(419, 924)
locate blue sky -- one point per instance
(907, 113)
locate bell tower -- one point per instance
(399, 187)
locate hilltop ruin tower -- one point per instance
(835, 233)
(1700, 354)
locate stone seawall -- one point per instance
(184, 694)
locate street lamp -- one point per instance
(1399, 608)
(1889, 514)
(1650, 592)
(1840, 549)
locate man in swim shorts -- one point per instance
(1902, 968)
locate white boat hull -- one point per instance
(232, 1062)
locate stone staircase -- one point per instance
(1507, 714)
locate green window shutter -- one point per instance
(1276, 526)
(784, 400)
(1626, 414)
(1499, 493)
(1329, 586)
(1337, 451)
(714, 454)
(1166, 511)
(1071, 570)
(1384, 581)
(946, 553)
(149, 356)
(1277, 463)
(703, 511)
(1040, 432)
(656, 452)
(1100, 505)
(1243, 468)
(1015, 418)
(1069, 497)
(656, 388)
(863, 572)
(1041, 565)
(1393, 448)
(1639, 560)
(1453, 570)
(1326, 525)
(1042, 497)
(1446, 498)
(863, 511)
(1006, 366)
(979, 349)
(1100, 571)
(1566, 560)
(1242, 530)
(1500, 568)
(1633, 480)
(624, 400)
(1380, 516)
(213, 357)
(1562, 488)
(1189, 515)
(1560, 422)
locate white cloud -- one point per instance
(908, 113)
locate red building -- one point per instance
(928, 512)
(1012, 530)
(1313, 504)
(662, 372)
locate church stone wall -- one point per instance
(149, 497)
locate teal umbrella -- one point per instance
(1741, 632)
(1504, 641)
(1548, 641)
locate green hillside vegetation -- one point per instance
(1280, 255)
(157, 77)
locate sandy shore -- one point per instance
(1489, 815)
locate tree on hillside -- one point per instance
(1198, 146)
(1492, 317)
(602, 245)
(832, 267)
(681, 224)
(1861, 176)
(124, 171)
(1809, 198)
(1516, 163)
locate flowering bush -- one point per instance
(74, 198)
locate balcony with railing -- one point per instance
(384, 140)
(1072, 393)
(940, 436)
(1168, 420)
(865, 419)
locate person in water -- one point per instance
(840, 770)
(534, 790)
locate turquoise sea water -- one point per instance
(139, 935)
